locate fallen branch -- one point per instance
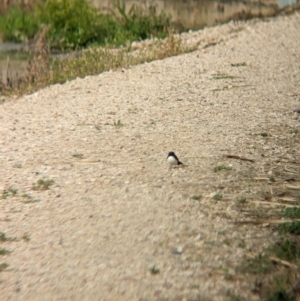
(239, 158)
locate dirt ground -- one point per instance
(118, 223)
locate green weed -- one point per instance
(8, 192)
(196, 197)
(241, 200)
(286, 250)
(26, 237)
(4, 251)
(3, 266)
(293, 228)
(263, 134)
(43, 184)
(118, 124)
(261, 264)
(222, 167)
(76, 23)
(154, 270)
(218, 197)
(78, 155)
(239, 64)
(281, 295)
(223, 76)
(4, 238)
(292, 212)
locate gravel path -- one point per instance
(118, 223)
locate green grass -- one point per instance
(196, 197)
(4, 238)
(263, 134)
(8, 192)
(43, 184)
(239, 64)
(223, 76)
(261, 264)
(154, 270)
(293, 228)
(78, 155)
(77, 23)
(4, 251)
(3, 266)
(286, 249)
(241, 200)
(281, 295)
(26, 237)
(218, 197)
(221, 167)
(292, 212)
(118, 124)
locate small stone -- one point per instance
(178, 251)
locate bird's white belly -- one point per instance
(171, 160)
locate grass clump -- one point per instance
(43, 184)
(154, 270)
(9, 192)
(241, 200)
(218, 197)
(281, 295)
(196, 197)
(78, 155)
(292, 212)
(293, 228)
(118, 124)
(286, 249)
(222, 167)
(3, 266)
(261, 264)
(4, 251)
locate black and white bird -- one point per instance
(172, 159)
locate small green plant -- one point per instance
(196, 197)
(4, 238)
(5, 194)
(9, 192)
(223, 76)
(154, 270)
(272, 178)
(242, 244)
(218, 197)
(239, 64)
(43, 184)
(241, 200)
(261, 264)
(118, 124)
(263, 134)
(226, 242)
(222, 167)
(26, 237)
(3, 266)
(78, 155)
(293, 228)
(292, 212)
(4, 251)
(281, 295)
(286, 250)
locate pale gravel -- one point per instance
(121, 210)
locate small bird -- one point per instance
(172, 159)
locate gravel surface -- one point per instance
(118, 223)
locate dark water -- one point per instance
(189, 13)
